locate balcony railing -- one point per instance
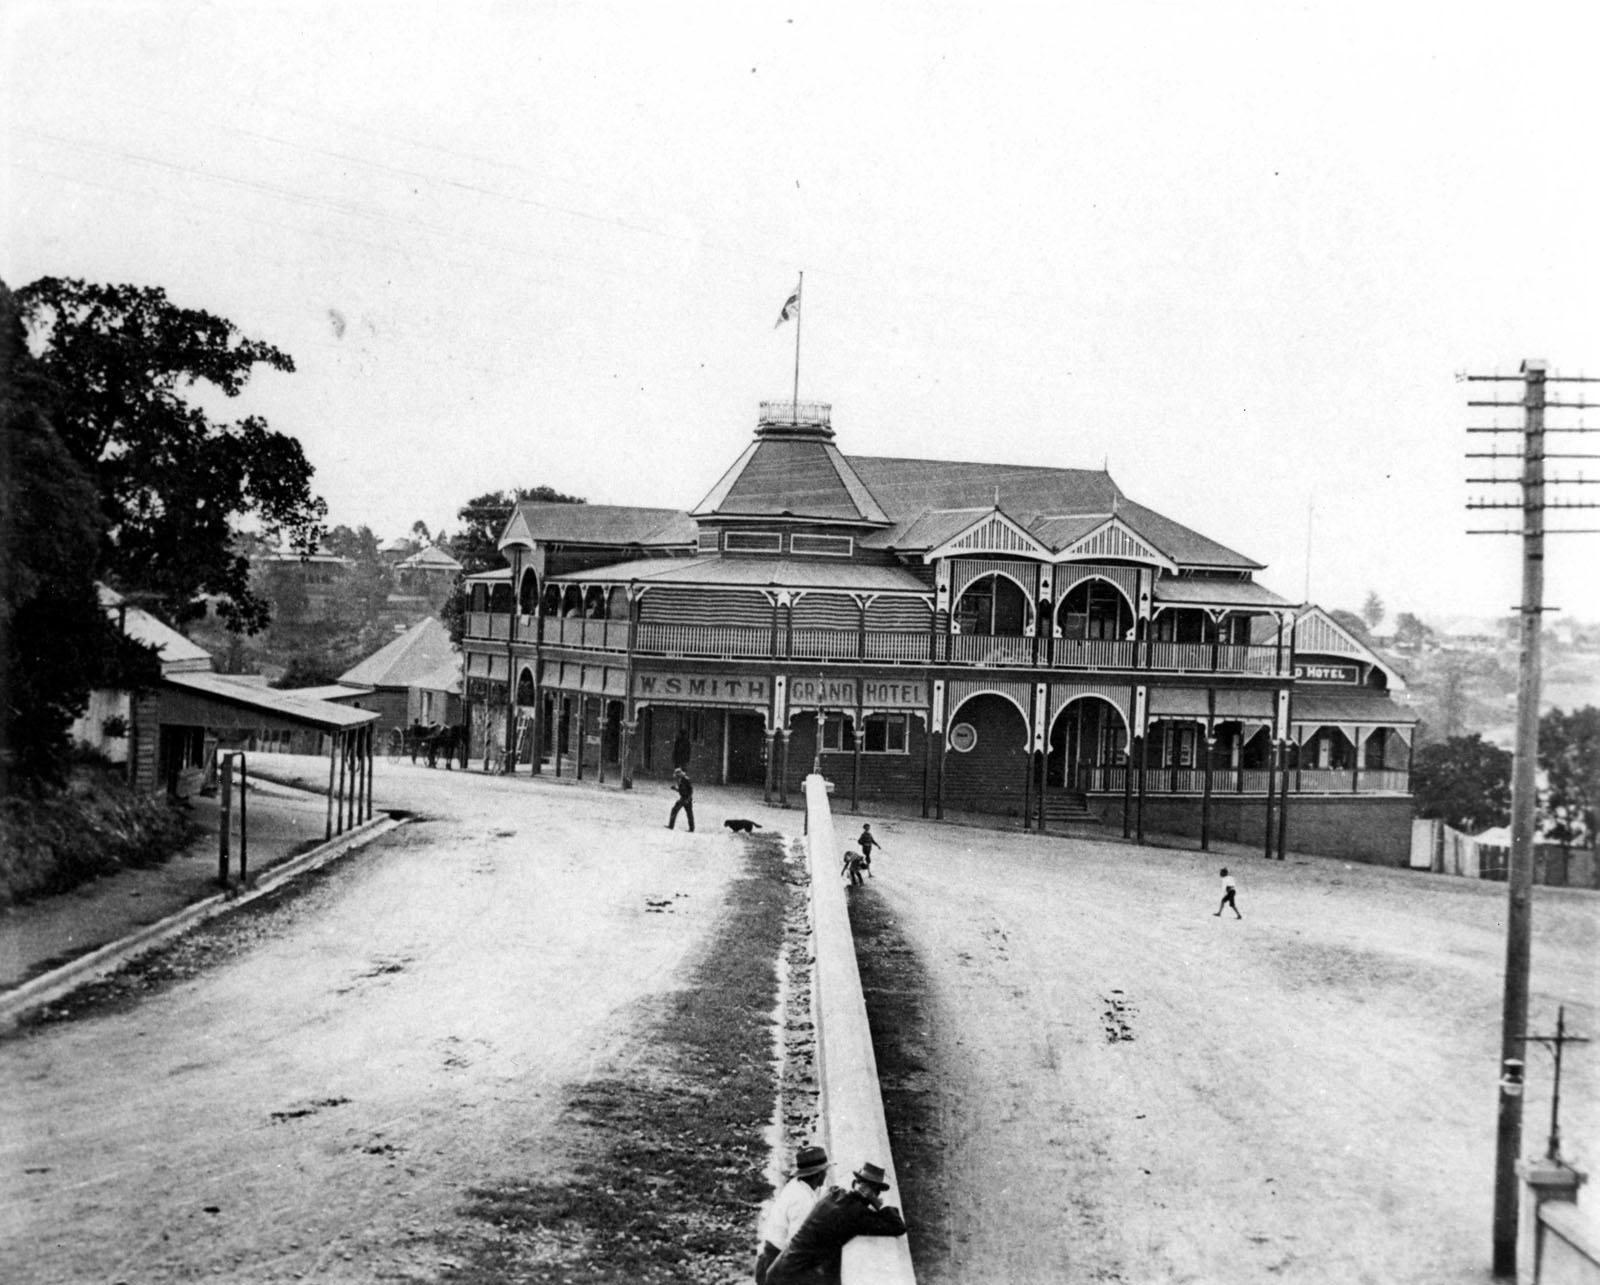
(1192, 780)
(714, 641)
(576, 631)
(883, 646)
(824, 644)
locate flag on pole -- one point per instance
(791, 308)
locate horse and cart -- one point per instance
(429, 742)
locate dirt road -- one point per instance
(315, 1105)
(1092, 1078)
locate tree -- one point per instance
(477, 548)
(119, 362)
(1569, 754)
(1463, 781)
(56, 641)
(1352, 623)
(1372, 609)
(1409, 630)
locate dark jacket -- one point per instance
(838, 1216)
(685, 789)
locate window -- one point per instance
(885, 734)
(752, 542)
(708, 542)
(880, 733)
(839, 732)
(836, 546)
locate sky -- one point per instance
(1239, 254)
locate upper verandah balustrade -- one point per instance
(879, 646)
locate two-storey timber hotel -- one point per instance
(956, 637)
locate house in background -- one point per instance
(167, 737)
(409, 675)
(107, 723)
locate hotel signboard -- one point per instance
(702, 689)
(809, 692)
(1327, 673)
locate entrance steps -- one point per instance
(1065, 807)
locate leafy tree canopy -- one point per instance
(56, 641)
(1464, 781)
(1372, 609)
(1569, 753)
(1409, 629)
(118, 362)
(1352, 622)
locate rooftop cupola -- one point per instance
(792, 470)
(795, 421)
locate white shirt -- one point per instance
(787, 1211)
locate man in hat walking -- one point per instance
(685, 803)
(839, 1216)
(790, 1207)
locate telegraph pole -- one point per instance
(1534, 378)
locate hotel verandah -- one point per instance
(963, 637)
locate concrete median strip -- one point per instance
(108, 958)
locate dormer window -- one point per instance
(707, 542)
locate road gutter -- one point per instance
(107, 959)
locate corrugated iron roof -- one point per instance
(1180, 543)
(1349, 705)
(177, 653)
(433, 557)
(1201, 592)
(418, 651)
(315, 713)
(604, 524)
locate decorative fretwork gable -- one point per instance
(994, 532)
(1114, 538)
(1317, 634)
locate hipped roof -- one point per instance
(415, 654)
(541, 522)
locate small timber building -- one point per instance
(959, 637)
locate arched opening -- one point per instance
(993, 604)
(987, 760)
(572, 601)
(500, 598)
(528, 596)
(1089, 736)
(617, 603)
(526, 692)
(1095, 609)
(478, 598)
(594, 603)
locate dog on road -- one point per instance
(740, 826)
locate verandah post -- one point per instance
(333, 750)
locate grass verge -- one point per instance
(664, 1167)
(895, 987)
(94, 827)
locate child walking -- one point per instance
(1228, 890)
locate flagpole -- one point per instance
(799, 316)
